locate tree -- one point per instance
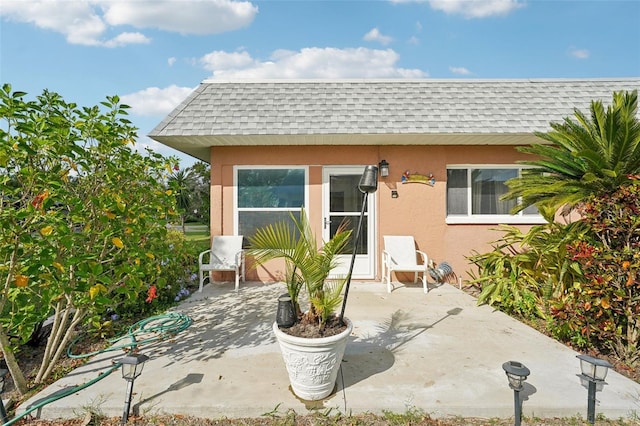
(182, 185)
(586, 156)
(82, 218)
(201, 201)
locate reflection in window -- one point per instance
(268, 195)
(476, 192)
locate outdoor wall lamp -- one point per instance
(594, 371)
(367, 185)
(517, 374)
(384, 168)
(3, 411)
(132, 366)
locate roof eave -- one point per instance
(198, 146)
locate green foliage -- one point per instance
(177, 281)
(83, 215)
(308, 264)
(200, 197)
(585, 156)
(524, 270)
(604, 309)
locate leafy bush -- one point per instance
(177, 280)
(605, 307)
(524, 270)
(82, 218)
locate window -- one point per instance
(267, 195)
(473, 196)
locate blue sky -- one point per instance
(153, 53)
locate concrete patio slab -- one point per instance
(437, 352)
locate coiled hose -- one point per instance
(152, 329)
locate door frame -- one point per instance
(365, 267)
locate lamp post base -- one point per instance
(591, 403)
(127, 402)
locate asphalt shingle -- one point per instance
(286, 107)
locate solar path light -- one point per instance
(517, 374)
(132, 366)
(594, 371)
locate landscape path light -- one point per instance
(517, 374)
(594, 371)
(3, 411)
(132, 366)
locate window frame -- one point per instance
(518, 219)
(237, 210)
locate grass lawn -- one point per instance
(199, 236)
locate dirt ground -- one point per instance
(292, 419)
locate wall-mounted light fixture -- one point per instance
(384, 168)
(394, 193)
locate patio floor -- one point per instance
(437, 352)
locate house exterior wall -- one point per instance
(419, 210)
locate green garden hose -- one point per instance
(64, 394)
(152, 329)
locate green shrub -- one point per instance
(604, 309)
(524, 270)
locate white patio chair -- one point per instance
(226, 254)
(400, 255)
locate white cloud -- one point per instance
(154, 101)
(579, 53)
(460, 70)
(376, 35)
(123, 39)
(471, 8)
(89, 22)
(182, 16)
(231, 61)
(312, 62)
(171, 61)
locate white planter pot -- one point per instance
(313, 364)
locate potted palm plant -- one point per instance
(313, 347)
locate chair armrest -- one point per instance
(202, 255)
(385, 255)
(425, 258)
(239, 257)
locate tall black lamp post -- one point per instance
(594, 371)
(132, 366)
(3, 411)
(517, 373)
(368, 184)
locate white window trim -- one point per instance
(236, 209)
(489, 219)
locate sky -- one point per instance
(153, 53)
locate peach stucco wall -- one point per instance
(419, 210)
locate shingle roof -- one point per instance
(310, 111)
